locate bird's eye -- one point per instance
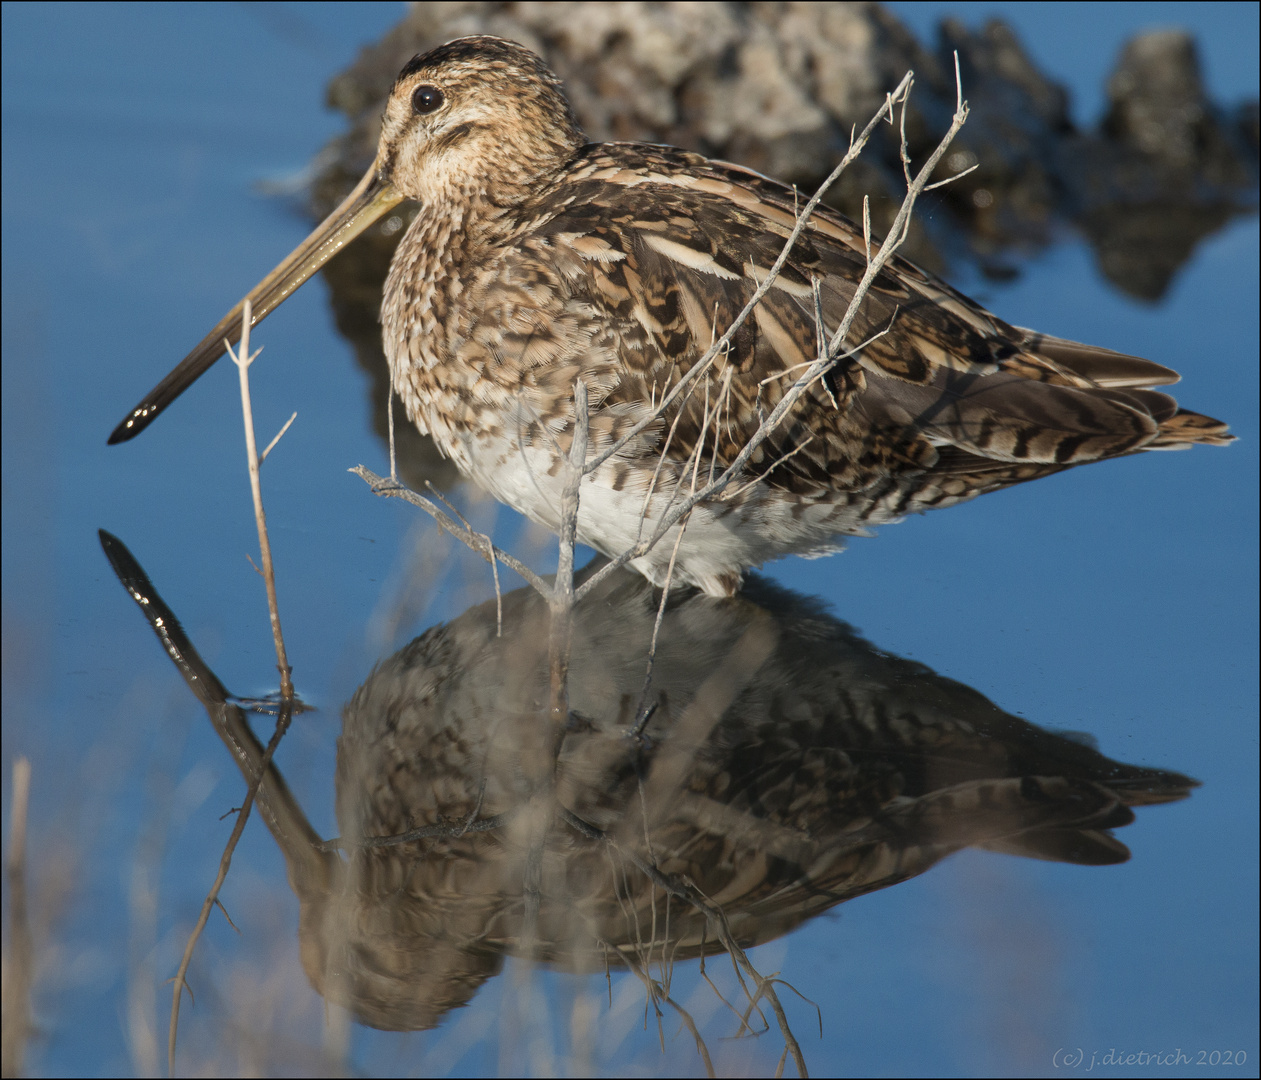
(427, 99)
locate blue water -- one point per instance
(1118, 599)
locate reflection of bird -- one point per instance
(788, 766)
(538, 258)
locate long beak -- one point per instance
(372, 198)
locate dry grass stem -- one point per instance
(242, 358)
(19, 957)
(475, 541)
(279, 435)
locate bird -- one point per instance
(539, 259)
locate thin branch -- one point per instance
(644, 709)
(476, 541)
(499, 596)
(686, 890)
(561, 601)
(952, 179)
(724, 341)
(279, 435)
(389, 413)
(219, 905)
(657, 992)
(901, 223)
(867, 226)
(18, 964)
(662, 456)
(243, 360)
(225, 863)
(488, 554)
(494, 563)
(448, 504)
(769, 469)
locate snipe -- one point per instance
(538, 257)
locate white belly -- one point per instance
(720, 540)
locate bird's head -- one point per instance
(479, 114)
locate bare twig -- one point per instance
(478, 542)
(952, 179)
(449, 505)
(499, 596)
(769, 469)
(561, 601)
(279, 435)
(225, 864)
(389, 413)
(656, 993)
(867, 226)
(686, 890)
(494, 563)
(18, 961)
(219, 904)
(643, 711)
(243, 360)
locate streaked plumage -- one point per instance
(537, 258)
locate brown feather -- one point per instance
(538, 259)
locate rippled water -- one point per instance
(1118, 600)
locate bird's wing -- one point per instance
(656, 251)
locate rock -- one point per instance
(1158, 107)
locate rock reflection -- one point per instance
(785, 765)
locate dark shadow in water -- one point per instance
(786, 765)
